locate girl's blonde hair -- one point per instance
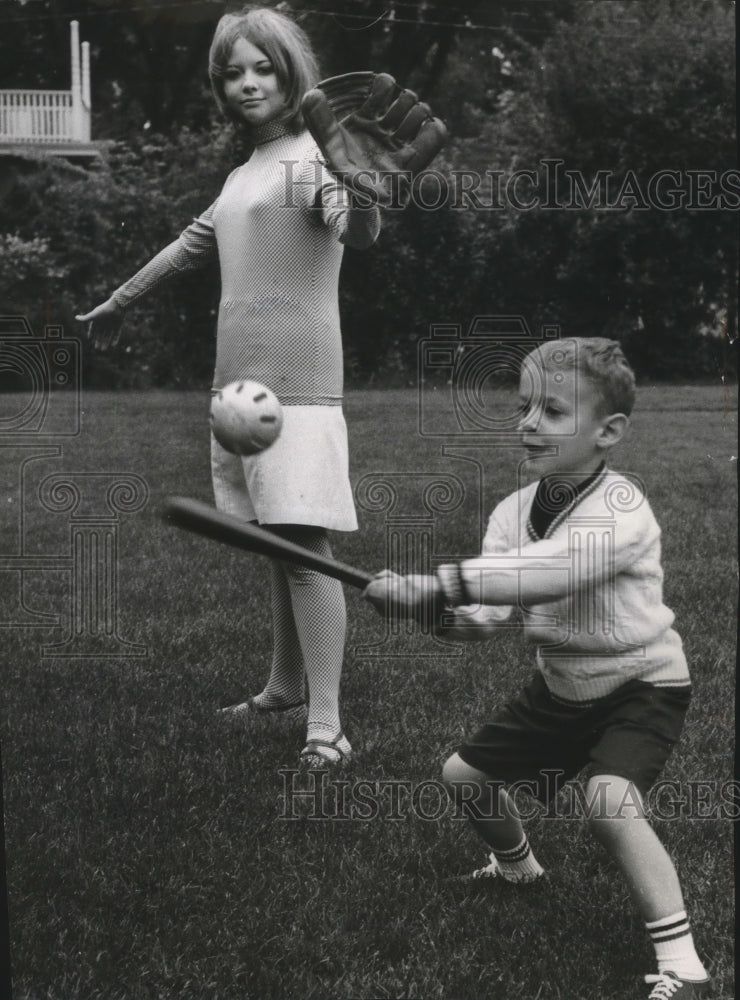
(285, 44)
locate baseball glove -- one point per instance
(370, 131)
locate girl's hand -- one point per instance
(397, 597)
(103, 324)
(388, 136)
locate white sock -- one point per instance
(518, 864)
(674, 947)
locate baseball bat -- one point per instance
(211, 523)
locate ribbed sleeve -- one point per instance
(354, 227)
(194, 248)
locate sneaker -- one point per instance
(668, 986)
(493, 870)
(295, 712)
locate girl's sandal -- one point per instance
(295, 712)
(313, 755)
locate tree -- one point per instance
(591, 98)
(149, 57)
(631, 90)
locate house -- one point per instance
(51, 122)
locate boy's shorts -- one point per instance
(544, 742)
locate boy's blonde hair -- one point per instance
(285, 44)
(599, 360)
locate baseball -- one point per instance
(246, 417)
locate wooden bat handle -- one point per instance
(211, 523)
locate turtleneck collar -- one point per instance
(271, 130)
(555, 494)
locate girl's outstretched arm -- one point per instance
(104, 323)
(194, 248)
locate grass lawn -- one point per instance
(154, 852)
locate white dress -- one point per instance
(278, 229)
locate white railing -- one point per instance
(42, 117)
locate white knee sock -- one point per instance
(518, 864)
(674, 947)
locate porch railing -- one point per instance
(43, 117)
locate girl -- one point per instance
(278, 229)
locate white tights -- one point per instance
(309, 626)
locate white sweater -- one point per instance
(589, 594)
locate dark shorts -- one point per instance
(544, 742)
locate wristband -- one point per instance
(453, 585)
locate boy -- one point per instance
(577, 554)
